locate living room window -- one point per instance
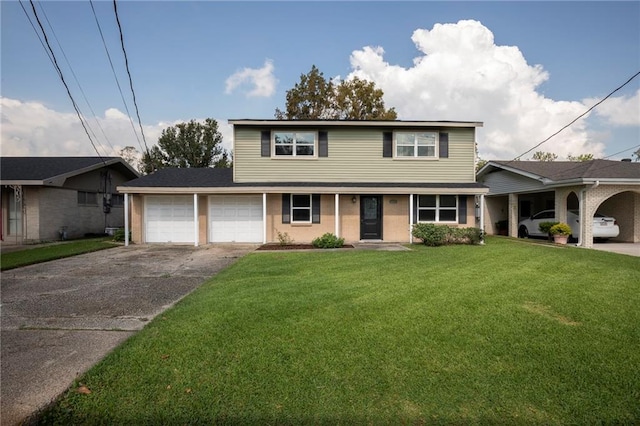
(416, 144)
(437, 208)
(294, 144)
(300, 208)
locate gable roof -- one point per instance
(568, 171)
(179, 180)
(353, 123)
(48, 170)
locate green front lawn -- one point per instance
(32, 255)
(509, 332)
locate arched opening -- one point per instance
(572, 201)
(622, 206)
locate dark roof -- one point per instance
(223, 178)
(44, 168)
(567, 170)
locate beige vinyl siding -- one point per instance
(355, 155)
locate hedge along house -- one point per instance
(519, 189)
(50, 198)
(360, 180)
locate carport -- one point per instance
(518, 189)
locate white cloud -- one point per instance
(262, 79)
(461, 74)
(32, 129)
(619, 111)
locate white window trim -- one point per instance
(293, 154)
(437, 208)
(415, 146)
(310, 208)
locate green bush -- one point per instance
(119, 235)
(546, 226)
(437, 235)
(560, 229)
(328, 240)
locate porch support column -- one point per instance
(196, 224)
(126, 219)
(410, 218)
(513, 215)
(264, 218)
(336, 214)
(482, 216)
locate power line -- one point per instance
(114, 72)
(580, 116)
(77, 82)
(60, 74)
(126, 63)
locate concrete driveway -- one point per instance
(59, 318)
(632, 249)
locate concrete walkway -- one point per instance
(59, 318)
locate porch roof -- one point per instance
(212, 180)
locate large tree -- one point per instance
(316, 98)
(192, 144)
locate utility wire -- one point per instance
(104, 43)
(78, 83)
(126, 63)
(580, 116)
(60, 74)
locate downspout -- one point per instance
(126, 219)
(410, 218)
(482, 217)
(583, 206)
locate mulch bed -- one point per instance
(293, 247)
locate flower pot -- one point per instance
(560, 239)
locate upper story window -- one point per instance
(416, 144)
(294, 144)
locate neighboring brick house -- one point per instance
(47, 198)
(360, 180)
(519, 189)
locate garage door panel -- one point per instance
(235, 218)
(169, 219)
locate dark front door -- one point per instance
(370, 217)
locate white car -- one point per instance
(603, 226)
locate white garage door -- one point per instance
(235, 218)
(169, 219)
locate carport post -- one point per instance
(410, 218)
(196, 226)
(126, 219)
(482, 216)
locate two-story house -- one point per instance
(360, 180)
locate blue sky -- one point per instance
(523, 68)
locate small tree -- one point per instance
(580, 158)
(544, 156)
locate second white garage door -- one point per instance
(235, 218)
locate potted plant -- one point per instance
(546, 227)
(560, 232)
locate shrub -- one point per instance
(328, 240)
(284, 239)
(437, 235)
(431, 234)
(546, 226)
(560, 229)
(118, 235)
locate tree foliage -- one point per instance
(191, 144)
(544, 156)
(580, 158)
(132, 156)
(637, 154)
(316, 98)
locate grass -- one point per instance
(507, 333)
(30, 256)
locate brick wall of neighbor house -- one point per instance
(354, 155)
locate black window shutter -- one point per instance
(387, 144)
(444, 145)
(286, 208)
(462, 209)
(323, 144)
(265, 143)
(315, 208)
(415, 208)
